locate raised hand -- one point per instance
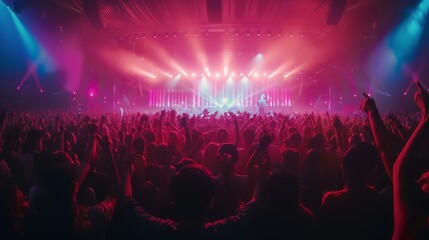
(368, 105)
(183, 122)
(163, 114)
(421, 98)
(337, 122)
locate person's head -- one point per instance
(290, 160)
(249, 136)
(192, 192)
(316, 141)
(263, 96)
(33, 141)
(172, 139)
(359, 160)
(228, 156)
(307, 131)
(280, 192)
(149, 136)
(138, 145)
(163, 155)
(184, 163)
(295, 140)
(222, 135)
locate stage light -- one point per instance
(91, 94)
(354, 95)
(202, 74)
(41, 90)
(255, 74)
(225, 71)
(17, 88)
(217, 74)
(405, 94)
(232, 74)
(224, 100)
(265, 74)
(193, 74)
(241, 74)
(207, 71)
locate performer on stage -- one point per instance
(262, 103)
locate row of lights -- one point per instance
(196, 34)
(232, 74)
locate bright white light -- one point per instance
(217, 74)
(224, 100)
(255, 74)
(193, 74)
(241, 74)
(225, 71)
(233, 74)
(265, 74)
(91, 94)
(207, 71)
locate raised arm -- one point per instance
(256, 160)
(410, 203)
(281, 135)
(384, 140)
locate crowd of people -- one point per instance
(215, 175)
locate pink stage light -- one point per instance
(193, 74)
(217, 74)
(91, 94)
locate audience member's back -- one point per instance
(355, 212)
(282, 216)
